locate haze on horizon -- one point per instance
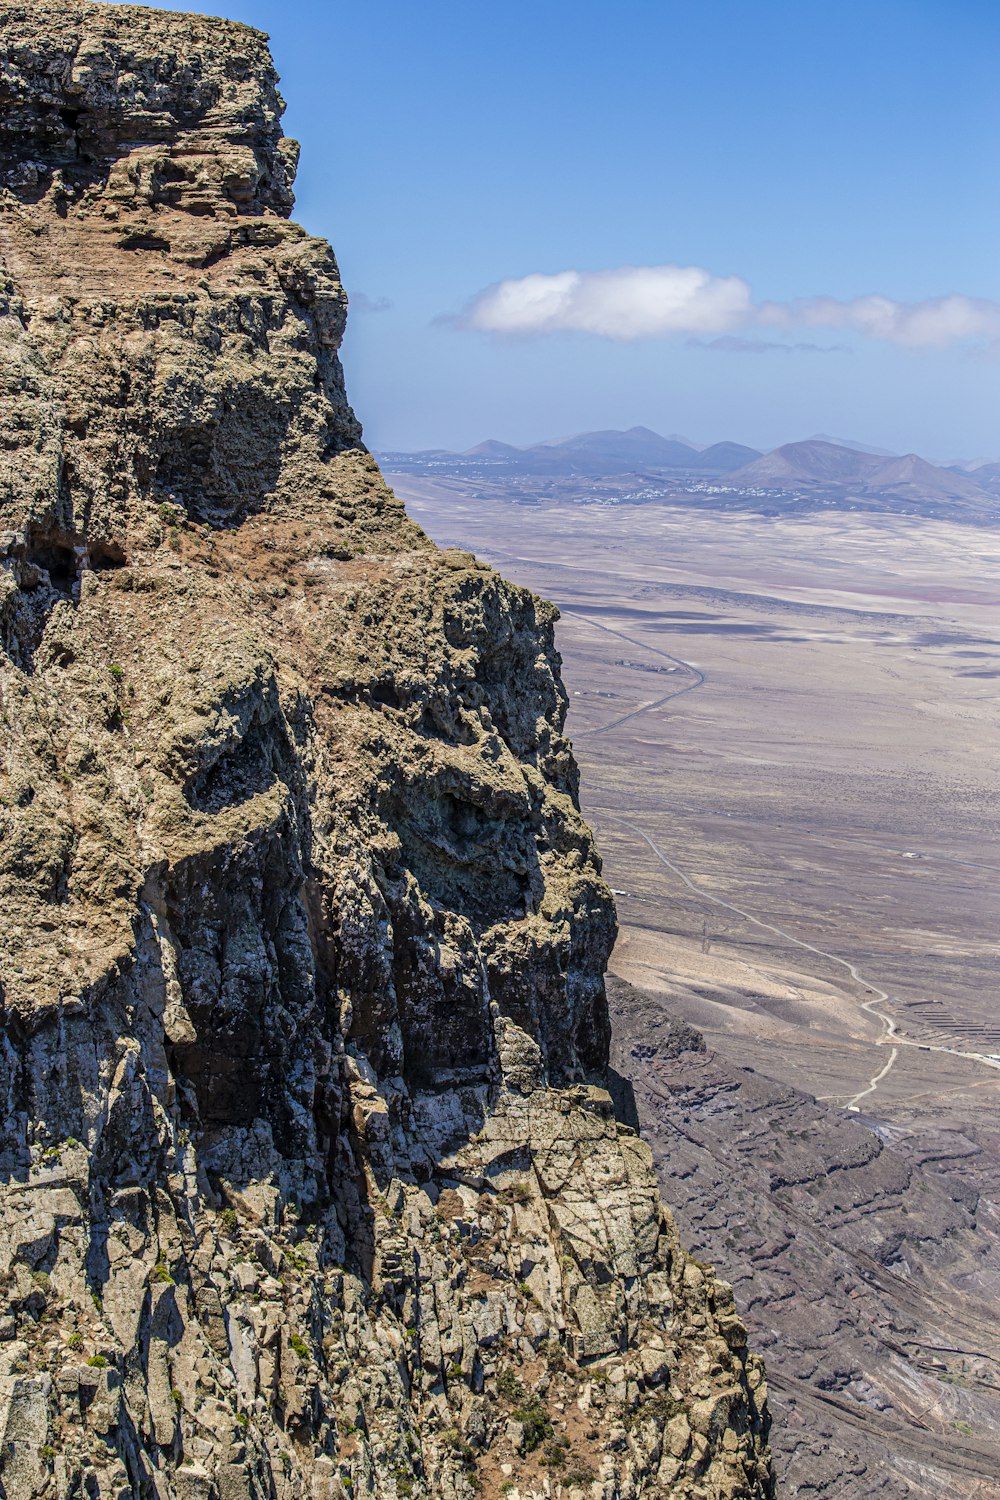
(753, 223)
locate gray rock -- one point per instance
(304, 935)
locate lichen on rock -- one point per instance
(311, 1184)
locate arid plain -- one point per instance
(800, 719)
(788, 735)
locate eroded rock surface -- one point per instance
(864, 1258)
(310, 1184)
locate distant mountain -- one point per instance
(987, 474)
(637, 445)
(795, 478)
(989, 478)
(970, 465)
(421, 453)
(824, 437)
(640, 447)
(914, 477)
(813, 462)
(724, 457)
(493, 449)
(849, 473)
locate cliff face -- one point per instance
(310, 1184)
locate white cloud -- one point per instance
(630, 303)
(636, 302)
(933, 323)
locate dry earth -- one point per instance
(787, 732)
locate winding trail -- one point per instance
(877, 996)
(689, 687)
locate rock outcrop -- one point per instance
(310, 1182)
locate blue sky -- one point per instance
(819, 153)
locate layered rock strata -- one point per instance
(864, 1257)
(310, 1182)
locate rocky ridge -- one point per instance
(311, 1184)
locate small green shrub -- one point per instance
(161, 1272)
(556, 1453)
(75, 1341)
(509, 1387)
(97, 1362)
(229, 1221)
(536, 1422)
(658, 1408)
(116, 671)
(453, 1440)
(554, 1356)
(404, 1481)
(300, 1346)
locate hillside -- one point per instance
(853, 474)
(810, 462)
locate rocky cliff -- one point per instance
(310, 1182)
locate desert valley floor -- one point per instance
(788, 733)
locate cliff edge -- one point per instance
(310, 1185)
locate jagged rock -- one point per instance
(310, 1185)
